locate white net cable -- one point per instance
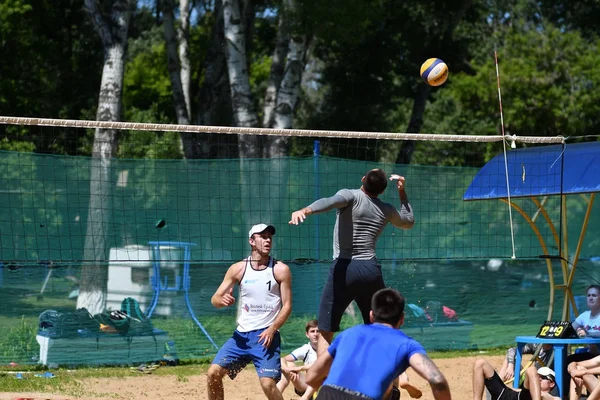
(137, 126)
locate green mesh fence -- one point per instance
(494, 303)
(457, 255)
(212, 203)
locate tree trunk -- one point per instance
(277, 69)
(214, 94)
(183, 34)
(287, 98)
(415, 123)
(244, 113)
(288, 89)
(278, 146)
(113, 33)
(174, 66)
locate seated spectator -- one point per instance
(587, 324)
(539, 384)
(584, 374)
(307, 354)
(507, 371)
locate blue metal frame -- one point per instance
(159, 286)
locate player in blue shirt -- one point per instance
(362, 361)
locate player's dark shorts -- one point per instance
(348, 280)
(328, 392)
(243, 348)
(499, 391)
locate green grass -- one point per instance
(18, 344)
(489, 335)
(496, 351)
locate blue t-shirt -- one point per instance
(367, 358)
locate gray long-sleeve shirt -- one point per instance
(360, 219)
(530, 348)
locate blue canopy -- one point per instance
(538, 171)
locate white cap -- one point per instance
(261, 228)
(547, 372)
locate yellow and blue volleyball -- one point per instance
(434, 72)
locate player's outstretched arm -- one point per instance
(423, 366)
(300, 215)
(339, 200)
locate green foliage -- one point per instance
(17, 143)
(146, 83)
(146, 144)
(573, 15)
(547, 82)
(53, 69)
(362, 72)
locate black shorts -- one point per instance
(338, 393)
(499, 391)
(348, 280)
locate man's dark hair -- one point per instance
(313, 323)
(375, 181)
(387, 306)
(597, 287)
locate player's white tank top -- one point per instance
(260, 298)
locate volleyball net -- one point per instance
(158, 212)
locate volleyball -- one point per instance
(434, 72)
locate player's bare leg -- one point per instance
(270, 388)
(481, 371)
(214, 382)
(299, 383)
(534, 383)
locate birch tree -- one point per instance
(177, 72)
(277, 68)
(244, 112)
(174, 65)
(214, 94)
(283, 86)
(289, 90)
(112, 30)
(183, 35)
